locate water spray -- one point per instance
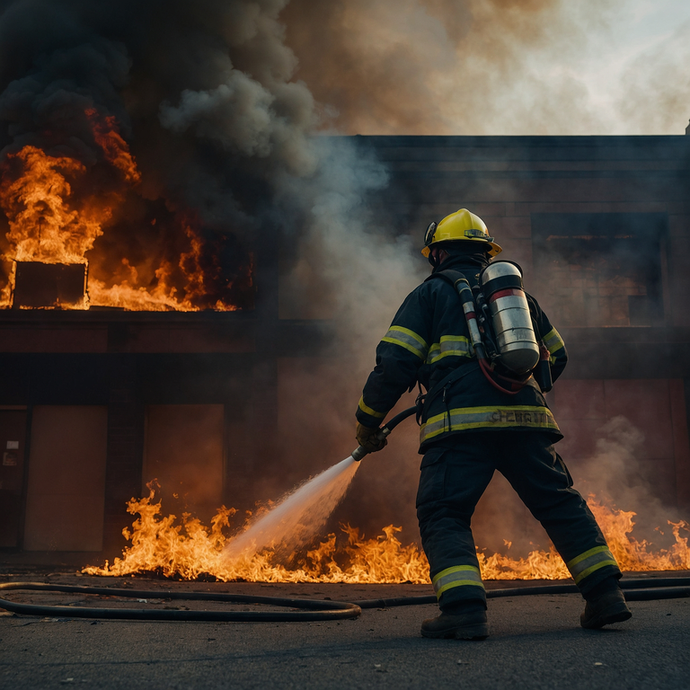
(299, 515)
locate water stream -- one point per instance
(300, 514)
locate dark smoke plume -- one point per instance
(205, 97)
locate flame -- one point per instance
(114, 147)
(189, 550)
(43, 226)
(55, 215)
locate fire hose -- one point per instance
(643, 589)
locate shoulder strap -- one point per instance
(450, 276)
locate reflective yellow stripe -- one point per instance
(583, 556)
(450, 346)
(590, 561)
(497, 417)
(553, 342)
(456, 576)
(370, 411)
(408, 339)
(591, 569)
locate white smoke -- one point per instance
(620, 476)
(613, 469)
(496, 67)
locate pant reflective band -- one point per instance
(450, 346)
(590, 561)
(371, 412)
(407, 339)
(523, 416)
(457, 576)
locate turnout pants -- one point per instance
(454, 475)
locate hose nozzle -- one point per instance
(359, 452)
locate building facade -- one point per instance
(94, 403)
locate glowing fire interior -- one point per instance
(188, 550)
(60, 211)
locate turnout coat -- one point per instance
(428, 339)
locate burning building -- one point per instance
(98, 401)
(192, 280)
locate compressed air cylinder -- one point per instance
(501, 283)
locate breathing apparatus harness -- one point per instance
(502, 336)
(501, 333)
(499, 323)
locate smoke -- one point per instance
(656, 86)
(614, 465)
(494, 67)
(619, 474)
(452, 67)
(206, 98)
(212, 140)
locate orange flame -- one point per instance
(54, 219)
(189, 550)
(113, 145)
(43, 225)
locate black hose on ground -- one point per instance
(317, 610)
(642, 589)
(657, 588)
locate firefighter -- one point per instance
(474, 422)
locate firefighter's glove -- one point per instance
(368, 438)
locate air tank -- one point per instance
(501, 284)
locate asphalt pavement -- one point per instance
(535, 642)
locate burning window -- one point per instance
(602, 269)
(78, 236)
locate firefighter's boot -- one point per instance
(459, 623)
(605, 608)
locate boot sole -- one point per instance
(474, 632)
(619, 616)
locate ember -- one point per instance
(189, 550)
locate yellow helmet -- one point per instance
(461, 226)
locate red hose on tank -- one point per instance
(489, 377)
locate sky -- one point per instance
(499, 67)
